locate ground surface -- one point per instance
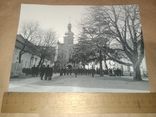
(82, 83)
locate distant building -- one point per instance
(65, 49)
(30, 57)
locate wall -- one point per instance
(9, 15)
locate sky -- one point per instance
(52, 17)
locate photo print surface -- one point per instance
(79, 49)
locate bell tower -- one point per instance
(69, 35)
(68, 43)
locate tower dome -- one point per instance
(69, 32)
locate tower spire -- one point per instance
(69, 25)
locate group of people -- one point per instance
(65, 71)
(77, 71)
(46, 72)
(34, 71)
(82, 71)
(115, 72)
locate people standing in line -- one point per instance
(42, 71)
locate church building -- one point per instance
(65, 49)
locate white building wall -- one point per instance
(28, 60)
(15, 56)
(143, 67)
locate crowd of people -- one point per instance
(77, 71)
(46, 72)
(82, 71)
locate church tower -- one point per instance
(68, 38)
(68, 43)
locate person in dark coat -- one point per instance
(67, 71)
(61, 71)
(33, 71)
(42, 72)
(76, 71)
(64, 71)
(51, 73)
(93, 72)
(120, 73)
(47, 72)
(36, 71)
(70, 70)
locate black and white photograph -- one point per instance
(73, 48)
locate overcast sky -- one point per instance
(54, 17)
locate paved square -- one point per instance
(82, 83)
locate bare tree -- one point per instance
(125, 29)
(46, 44)
(120, 28)
(29, 31)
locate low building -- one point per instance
(30, 57)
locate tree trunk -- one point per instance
(101, 70)
(20, 56)
(106, 67)
(137, 73)
(39, 64)
(42, 61)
